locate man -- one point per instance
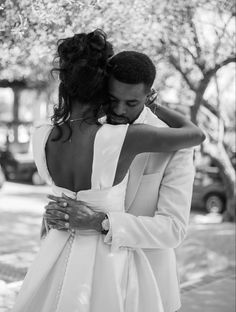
(159, 190)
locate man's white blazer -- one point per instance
(158, 203)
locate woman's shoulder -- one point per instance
(43, 126)
(40, 132)
(41, 129)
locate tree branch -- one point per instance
(222, 34)
(212, 71)
(211, 108)
(195, 38)
(177, 66)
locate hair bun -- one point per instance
(83, 62)
(100, 48)
(97, 40)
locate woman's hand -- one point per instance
(64, 213)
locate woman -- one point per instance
(76, 270)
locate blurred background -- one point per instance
(192, 44)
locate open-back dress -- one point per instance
(80, 272)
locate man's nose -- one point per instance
(119, 109)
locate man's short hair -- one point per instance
(132, 67)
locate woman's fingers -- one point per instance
(54, 198)
(70, 202)
(57, 214)
(59, 200)
(53, 212)
(66, 201)
(74, 202)
(57, 226)
(54, 206)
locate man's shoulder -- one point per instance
(153, 120)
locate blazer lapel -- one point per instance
(135, 175)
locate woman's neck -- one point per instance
(81, 111)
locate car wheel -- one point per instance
(36, 179)
(214, 203)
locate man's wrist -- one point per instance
(101, 216)
(105, 225)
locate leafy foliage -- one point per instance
(187, 37)
(198, 39)
(30, 30)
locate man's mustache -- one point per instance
(113, 118)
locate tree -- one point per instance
(30, 31)
(198, 41)
(194, 39)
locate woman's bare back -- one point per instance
(70, 162)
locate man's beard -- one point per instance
(117, 120)
(114, 119)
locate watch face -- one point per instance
(105, 224)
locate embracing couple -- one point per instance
(121, 173)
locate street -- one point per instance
(206, 256)
(21, 208)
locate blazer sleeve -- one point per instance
(168, 227)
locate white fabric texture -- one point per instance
(79, 272)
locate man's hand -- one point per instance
(63, 213)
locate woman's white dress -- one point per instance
(79, 272)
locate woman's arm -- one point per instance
(182, 134)
(172, 118)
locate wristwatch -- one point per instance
(105, 225)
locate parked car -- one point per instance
(209, 190)
(19, 167)
(2, 177)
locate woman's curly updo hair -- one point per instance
(82, 73)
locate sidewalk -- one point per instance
(21, 208)
(207, 265)
(216, 296)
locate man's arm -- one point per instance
(168, 227)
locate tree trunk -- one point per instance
(227, 172)
(16, 106)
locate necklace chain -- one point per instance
(77, 119)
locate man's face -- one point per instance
(126, 101)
